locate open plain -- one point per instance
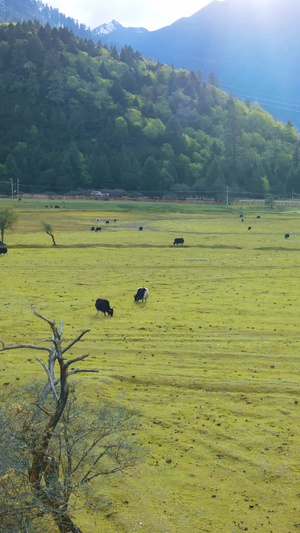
(210, 363)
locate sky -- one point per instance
(152, 15)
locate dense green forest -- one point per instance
(77, 116)
(16, 10)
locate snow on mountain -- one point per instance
(104, 29)
(114, 26)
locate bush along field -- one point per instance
(209, 364)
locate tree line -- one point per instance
(75, 115)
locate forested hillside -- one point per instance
(251, 45)
(19, 10)
(75, 115)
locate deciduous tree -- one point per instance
(8, 217)
(48, 229)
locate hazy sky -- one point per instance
(151, 14)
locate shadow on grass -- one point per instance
(277, 249)
(90, 245)
(240, 386)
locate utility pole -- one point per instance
(12, 187)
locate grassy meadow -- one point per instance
(210, 363)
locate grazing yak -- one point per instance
(249, 228)
(3, 249)
(142, 294)
(98, 228)
(179, 241)
(141, 228)
(93, 228)
(287, 236)
(104, 306)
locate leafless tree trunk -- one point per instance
(53, 239)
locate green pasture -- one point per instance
(210, 363)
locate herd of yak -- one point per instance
(142, 293)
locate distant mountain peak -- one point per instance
(114, 26)
(108, 27)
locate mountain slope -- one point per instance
(252, 47)
(13, 10)
(19, 10)
(75, 115)
(119, 33)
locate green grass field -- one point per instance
(210, 363)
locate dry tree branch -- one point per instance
(50, 378)
(75, 340)
(29, 346)
(80, 358)
(43, 340)
(42, 409)
(50, 322)
(78, 371)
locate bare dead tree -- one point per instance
(64, 451)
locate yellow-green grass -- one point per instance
(211, 362)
